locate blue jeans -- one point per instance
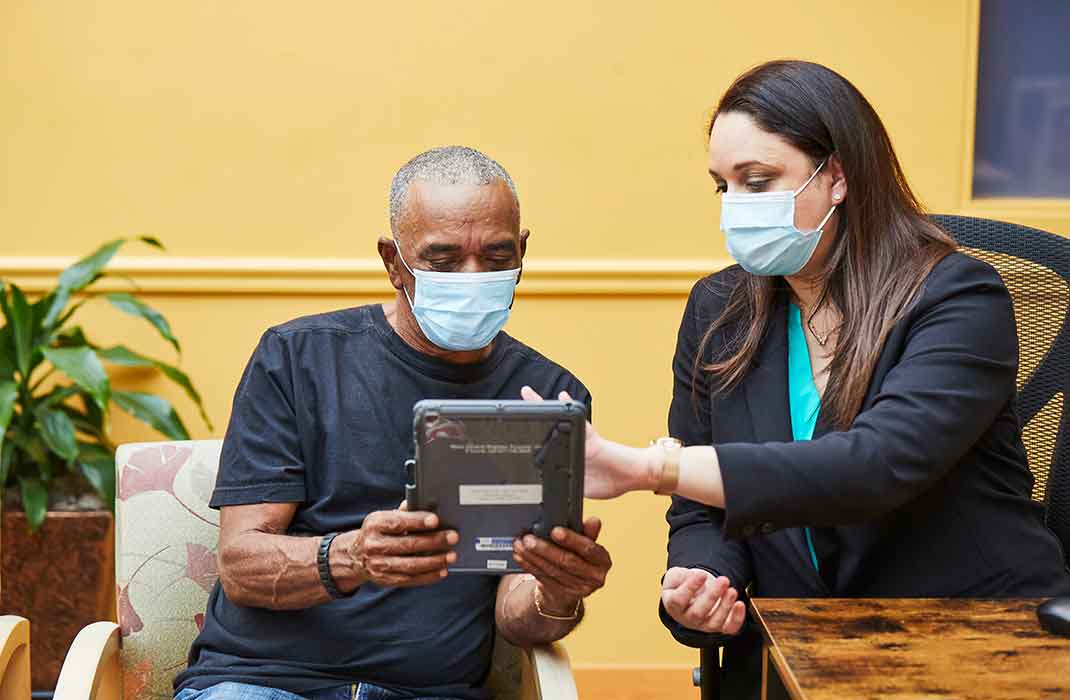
(242, 691)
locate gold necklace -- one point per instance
(822, 339)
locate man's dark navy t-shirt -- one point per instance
(323, 417)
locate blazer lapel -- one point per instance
(766, 385)
(766, 391)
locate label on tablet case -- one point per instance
(500, 494)
(494, 544)
(497, 564)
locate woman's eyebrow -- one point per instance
(740, 166)
(748, 163)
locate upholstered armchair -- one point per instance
(166, 536)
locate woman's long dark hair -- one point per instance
(885, 247)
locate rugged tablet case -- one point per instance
(495, 470)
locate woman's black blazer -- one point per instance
(927, 494)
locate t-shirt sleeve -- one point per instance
(262, 458)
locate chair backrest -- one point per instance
(165, 560)
(165, 563)
(1035, 266)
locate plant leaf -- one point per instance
(7, 357)
(7, 453)
(60, 298)
(34, 500)
(78, 276)
(83, 367)
(9, 391)
(70, 312)
(83, 423)
(38, 332)
(97, 465)
(72, 337)
(57, 396)
(153, 410)
(21, 320)
(94, 413)
(122, 355)
(83, 273)
(5, 308)
(30, 442)
(57, 431)
(130, 304)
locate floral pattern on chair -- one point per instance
(165, 558)
(166, 536)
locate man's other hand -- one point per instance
(568, 567)
(399, 548)
(701, 601)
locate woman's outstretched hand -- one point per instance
(701, 601)
(611, 469)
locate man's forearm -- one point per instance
(519, 619)
(279, 572)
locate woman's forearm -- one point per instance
(700, 471)
(700, 476)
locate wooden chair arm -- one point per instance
(551, 672)
(14, 658)
(91, 670)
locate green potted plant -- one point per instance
(57, 457)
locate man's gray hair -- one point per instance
(446, 165)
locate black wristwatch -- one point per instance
(323, 564)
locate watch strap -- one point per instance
(324, 566)
(670, 466)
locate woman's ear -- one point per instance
(838, 186)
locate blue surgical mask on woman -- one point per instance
(461, 310)
(760, 230)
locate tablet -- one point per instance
(496, 470)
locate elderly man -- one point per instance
(329, 588)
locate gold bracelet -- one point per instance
(538, 608)
(669, 477)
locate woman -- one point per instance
(844, 395)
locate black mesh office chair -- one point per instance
(1035, 266)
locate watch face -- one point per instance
(668, 443)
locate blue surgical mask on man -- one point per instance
(461, 310)
(760, 230)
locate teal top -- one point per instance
(803, 397)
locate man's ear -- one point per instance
(389, 254)
(524, 233)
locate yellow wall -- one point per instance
(271, 130)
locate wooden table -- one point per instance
(836, 649)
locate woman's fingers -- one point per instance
(674, 577)
(707, 599)
(677, 598)
(720, 612)
(735, 618)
